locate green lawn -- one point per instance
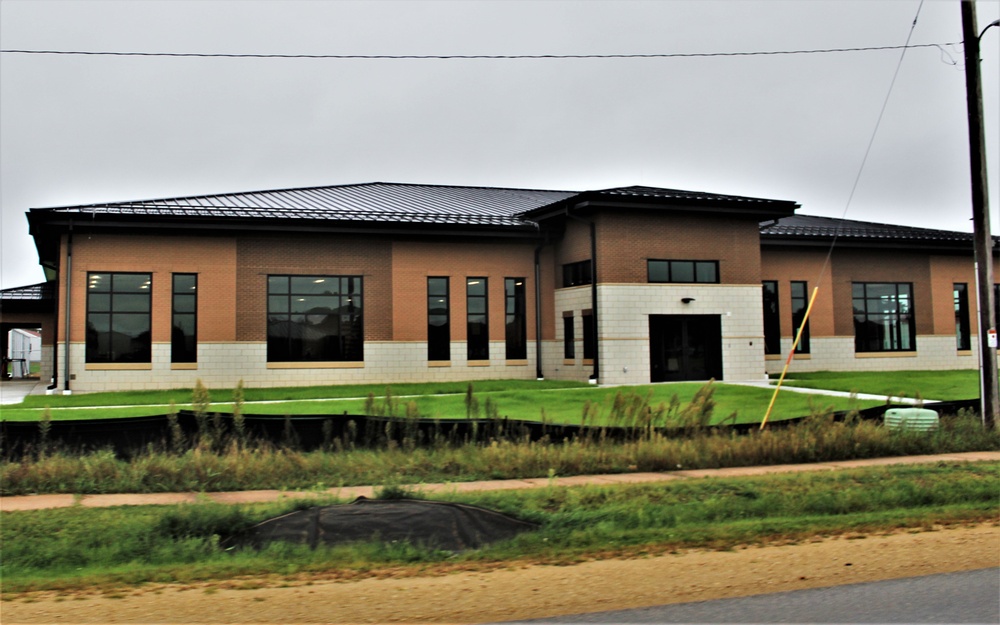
(932, 385)
(554, 402)
(69, 549)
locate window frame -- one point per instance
(578, 273)
(800, 303)
(772, 318)
(569, 336)
(94, 351)
(183, 349)
(516, 318)
(439, 337)
(477, 339)
(875, 344)
(339, 346)
(589, 335)
(963, 325)
(673, 271)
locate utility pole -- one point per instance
(980, 217)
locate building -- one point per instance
(388, 282)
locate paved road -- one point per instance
(964, 597)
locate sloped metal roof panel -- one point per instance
(32, 292)
(378, 202)
(810, 227)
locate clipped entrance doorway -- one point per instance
(685, 347)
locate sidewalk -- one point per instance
(42, 502)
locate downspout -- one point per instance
(538, 310)
(69, 283)
(596, 375)
(54, 382)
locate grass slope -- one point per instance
(71, 548)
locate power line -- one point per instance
(502, 57)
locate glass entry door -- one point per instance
(685, 347)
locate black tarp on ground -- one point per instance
(436, 524)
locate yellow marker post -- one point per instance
(788, 361)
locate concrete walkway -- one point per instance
(41, 502)
(14, 391)
(768, 384)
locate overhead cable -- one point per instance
(504, 57)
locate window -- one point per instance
(589, 339)
(575, 274)
(438, 320)
(515, 307)
(800, 302)
(118, 317)
(184, 321)
(569, 337)
(883, 317)
(315, 319)
(963, 335)
(704, 271)
(477, 319)
(772, 321)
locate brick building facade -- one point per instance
(389, 283)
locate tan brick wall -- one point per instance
(414, 261)
(258, 257)
(786, 264)
(213, 259)
(627, 239)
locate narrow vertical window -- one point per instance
(800, 301)
(184, 318)
(477, 319)
(515, 310)
(963, 336)
(438, 320)
(772, 320)
(569, 337)
(589, 340)
(119, 317)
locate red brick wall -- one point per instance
(785, 264)
(213, 259)
(414, 261)
(258, 257)
(626, 240)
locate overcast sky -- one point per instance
(83, 129)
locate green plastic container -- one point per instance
(914, 419)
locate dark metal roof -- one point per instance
(33, 292)
(370, 202)
(638, 192)
(807, 227)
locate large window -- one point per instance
(883, 317)
(314, 319)
(184, 318)
(569, 336)
(963, 333)
(772, 320)
(477, 319)
(706, 271)
(800, 302)
(575, 274)
(438, 320)
(515, 307)
(118, 317)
